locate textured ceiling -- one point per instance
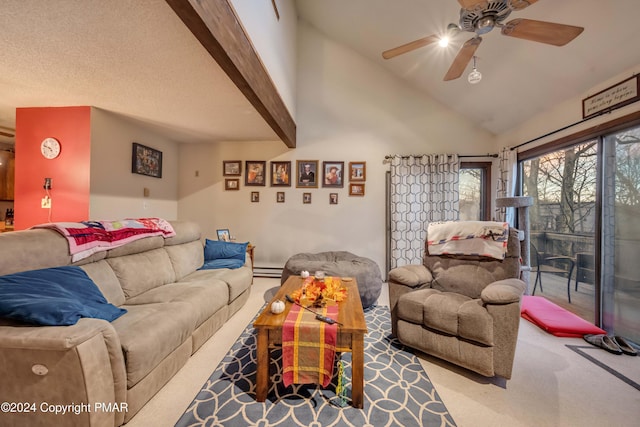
(134, 58)
(520, 78)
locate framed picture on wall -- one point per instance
(306, 198)
(231, 168)
(280, 197)
(281, 174)
(255, 172)
(307, 173)
(333, 198)
(255, 196)
(232, 184)
(357, 171)
(332, 174)
(146, 161)
(356, 189)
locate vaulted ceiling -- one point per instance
(520, 78)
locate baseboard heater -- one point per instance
(267, 272)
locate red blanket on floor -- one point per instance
(308, 346)
(555, 319)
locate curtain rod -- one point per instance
(558, 130)
(605, 111)
(495, 156)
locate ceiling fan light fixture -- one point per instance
(474, 76)
(444, 41)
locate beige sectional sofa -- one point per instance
(101, 373)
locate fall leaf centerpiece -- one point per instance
(317, 291)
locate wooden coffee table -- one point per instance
(268, 326)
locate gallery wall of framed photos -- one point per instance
(301, 174)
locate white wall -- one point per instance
(115, 191)
(565, 114)
(349, 109)
(274, 40)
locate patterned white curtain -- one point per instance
(423, 189)
(508, 172)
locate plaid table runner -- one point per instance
(308, 346)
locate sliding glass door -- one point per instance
(563, 186)
(621, 234)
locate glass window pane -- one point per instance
(621, 234)
(471, 194)
(562, 223)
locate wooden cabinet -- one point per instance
(7, 175)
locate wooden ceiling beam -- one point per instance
(215, 25)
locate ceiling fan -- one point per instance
(482, 16)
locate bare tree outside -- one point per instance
(563, 187)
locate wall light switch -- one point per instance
(146, 192)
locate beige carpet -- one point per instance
(552, 385)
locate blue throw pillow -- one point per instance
(54, 297)
(222, 263)
(216, 249)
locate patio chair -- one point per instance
(559, 265)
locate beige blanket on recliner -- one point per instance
(483, 238)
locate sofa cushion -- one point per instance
(137, 246)
(411, 275)
(503, 291)
(237, 281)
(205, 297)
(138, 273)
(150, 332)
(464, 277)
(186, 231)
(411, 305)
(470, 274)
(475, 323)
(54, 297)
(440, 311)
(103, 276)
(448, 313)
(185, 258)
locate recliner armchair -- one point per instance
(461, 308)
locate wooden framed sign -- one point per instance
(616, 96)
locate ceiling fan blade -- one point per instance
(463, 57)
(541, 31)
(473, 4)
(521, 4)
(408, 47)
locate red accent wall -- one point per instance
(70, 171)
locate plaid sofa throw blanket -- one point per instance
(308, 347)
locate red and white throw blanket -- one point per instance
(88, 237)
(308, 346)
(483, 238)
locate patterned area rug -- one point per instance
(397, 391)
